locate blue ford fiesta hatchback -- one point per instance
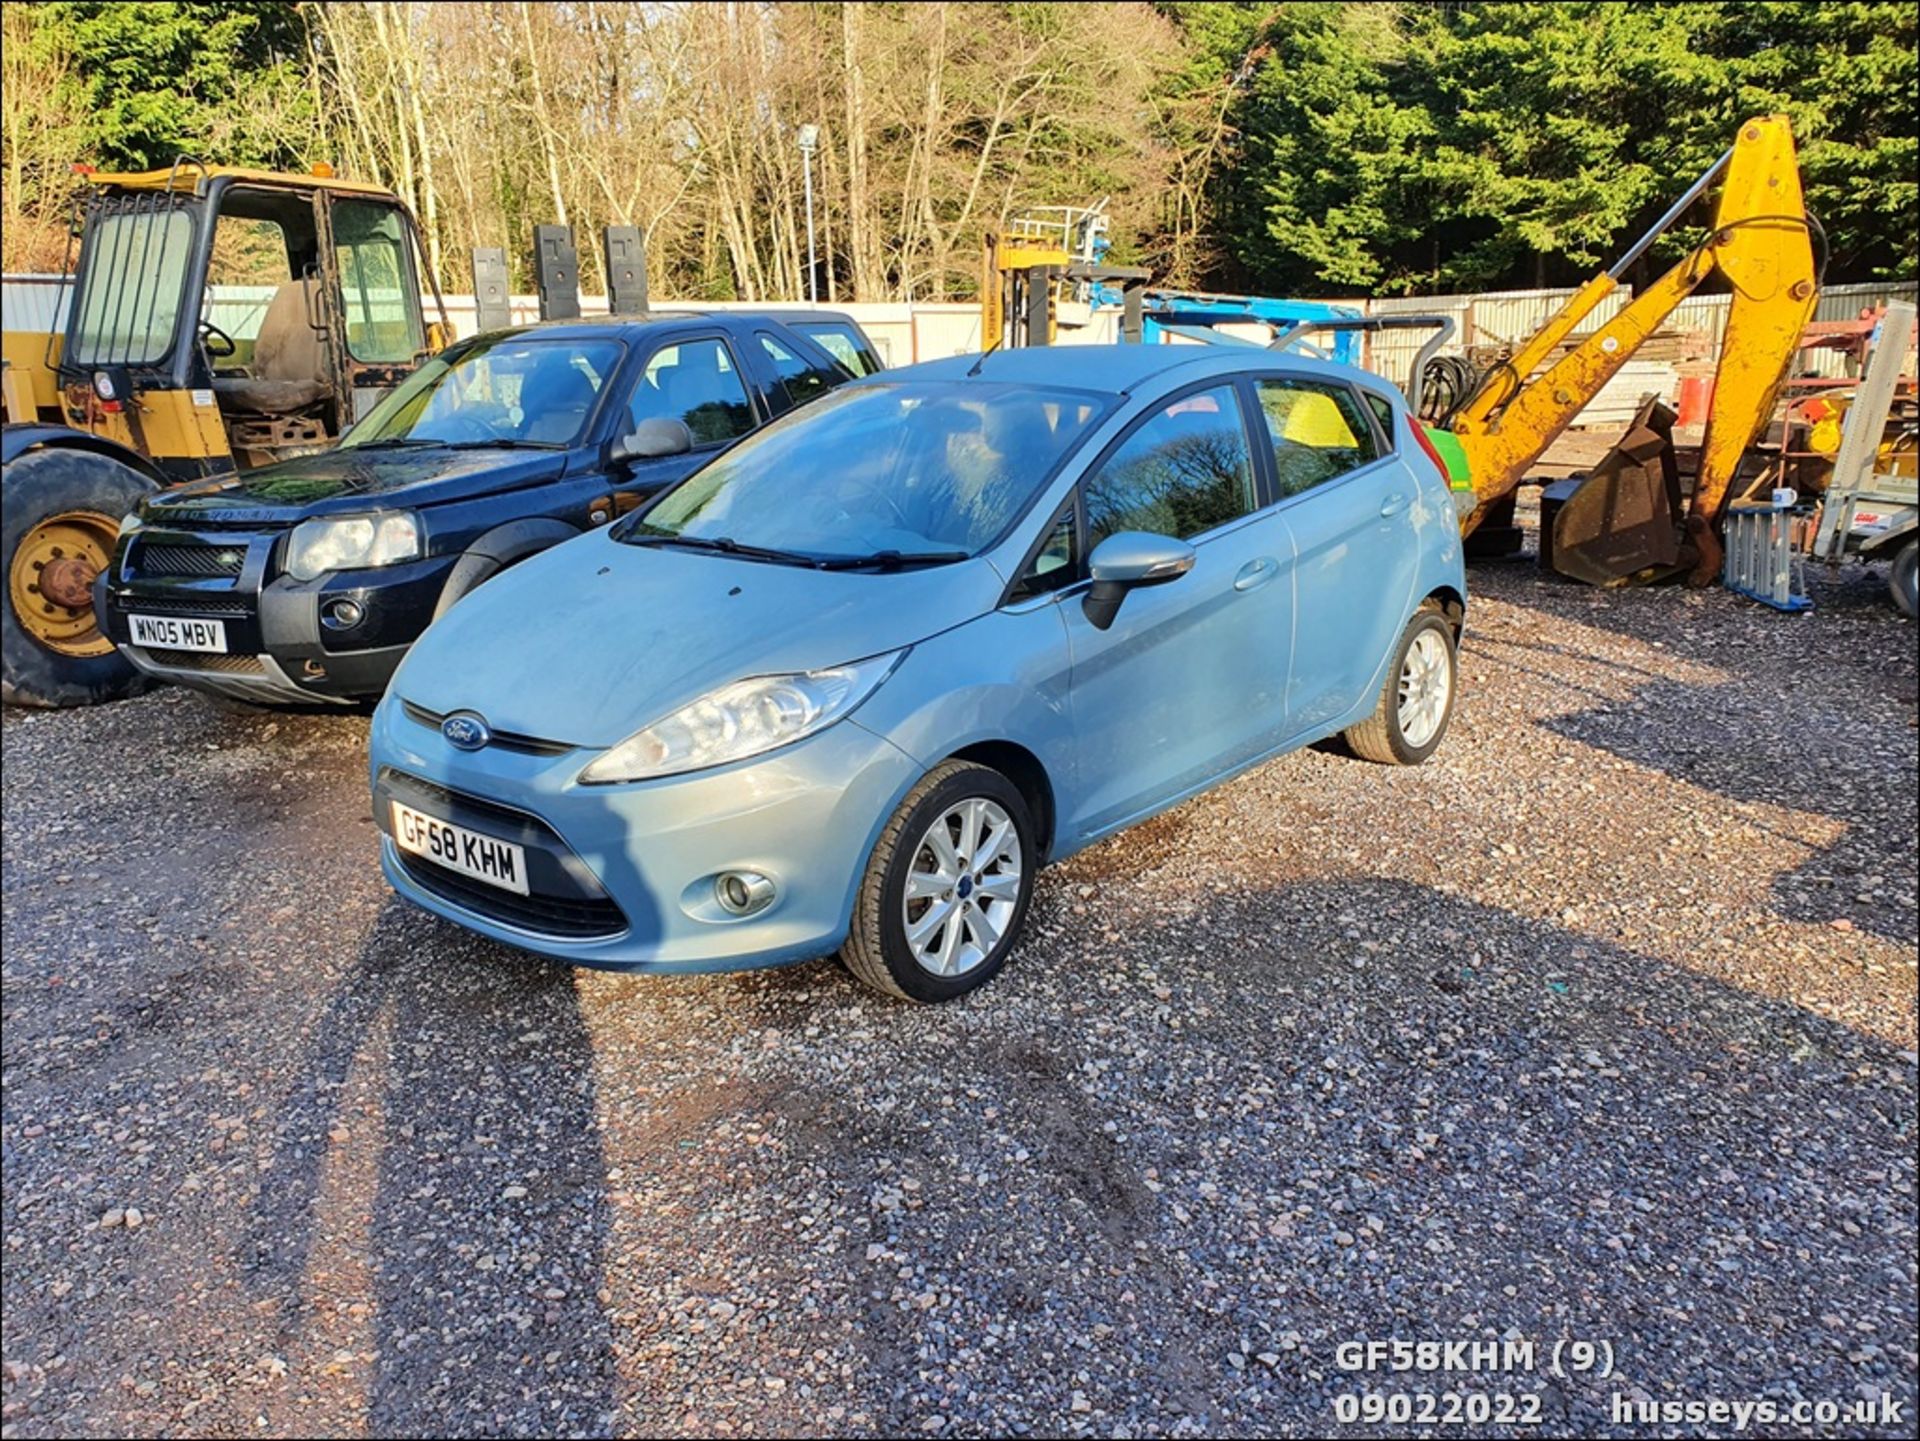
(851, 684)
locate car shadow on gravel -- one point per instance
(446, 1113)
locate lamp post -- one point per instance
(809, 137)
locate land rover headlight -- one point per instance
(356, 542)
(741, 719)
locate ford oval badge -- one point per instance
(465, 730)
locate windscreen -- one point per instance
(503, 390)
(129, 303)
(936, 467)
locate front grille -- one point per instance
(505, 740)
(202, 561)
(569, 920)
(183, 605)
(581, 911)
(199, 660)
(410, 789)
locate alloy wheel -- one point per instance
(1426, 685)
(963, 887)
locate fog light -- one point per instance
(741, 893)
(341, 614)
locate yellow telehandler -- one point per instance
(145, 383)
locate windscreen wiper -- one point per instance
(391, 442)
(726, 545)
(503, 443)
(892, 559)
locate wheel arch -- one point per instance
(1888, 542)
(32, 438)
(1452, 604)
(497, 549)
(1028, 774)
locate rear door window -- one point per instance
(1382, 409)
(1183, 472)
(801, 379)
(1317, 432)
(698, 382)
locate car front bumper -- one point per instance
(621, 876)
(281, 647)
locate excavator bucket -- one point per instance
(1621, 524)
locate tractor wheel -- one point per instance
(63, 513)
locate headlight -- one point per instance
(129, 522)
(319, 546)
(743, 719)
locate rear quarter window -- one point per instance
(844, 344)
(1382, 409)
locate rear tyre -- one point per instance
(62, 515)
(1903, 580)
(1416, 701)
(947, 887)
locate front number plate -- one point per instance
(497, 862)
(166, 632)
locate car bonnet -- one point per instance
(349, 480)
(590, 641)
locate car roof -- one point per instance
(1117, 369)
(651, 324)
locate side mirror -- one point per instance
(1126, 561)
(652, 439)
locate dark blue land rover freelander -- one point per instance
(305, 582)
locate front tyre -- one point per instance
(947, 887)
(63, 512)
(1416, 702)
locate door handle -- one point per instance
(1256, 573)
(1393, 504)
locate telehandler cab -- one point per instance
(151, 380)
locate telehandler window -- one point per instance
(128, 307)
(383, 320)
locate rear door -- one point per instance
(1349, 502)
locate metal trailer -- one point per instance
(1870, 509)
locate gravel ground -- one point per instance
(1600, 1026)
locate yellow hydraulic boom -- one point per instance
(1761, 243)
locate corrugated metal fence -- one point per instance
(907, 333)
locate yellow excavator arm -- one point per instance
(1761, 243)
